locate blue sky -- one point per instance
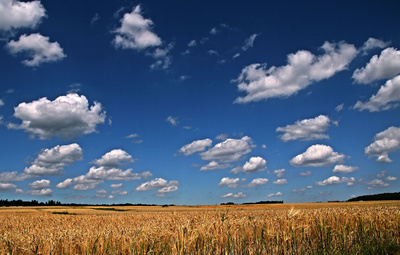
(185, 102)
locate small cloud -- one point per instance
(274, 194)
(172, 120)
(95, 19)
(248, 43)
(306, 173)
(339, 107)
(236, 196)
(280, 182)
(192, 43)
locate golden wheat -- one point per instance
(269, 229)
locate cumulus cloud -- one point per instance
(387, 97)
(7, 186)
(257, 182)
(303, 69)
(229, 182)
(308, 129)
(391, 178)
(385, 66)
(66, 117)
(135, 32)
(116, 186)
(274, 194)
(344, 169)
(377, 183)
(161, 184)
(385, 142)
(236, 196)
(40, 192)
(316, 156)
(37, 48)
(280, 182)
(306, 173)
(229, 150)
(195, 146)
(336, 180)
(115, 158)
(7, 177)
(52, 161)
(213, 165)
(279, 173)
(16, 14)
(40, 184)
(254, 165)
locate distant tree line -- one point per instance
(255, 203)
(382, 196)
(6, 202)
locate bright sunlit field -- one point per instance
(318, 228)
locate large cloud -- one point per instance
(254, 165)
(229, 150)
(317, 155)
(388, 97)
(7, 186)
(385, 66)
(115, 158)
(161, 184)
(37, 48)
(67, 117)
(229, 182)
(336, 180)
(308, 129)
(195, 146)
(52, 161)
(303, 69)
(16, 14)
(385, 142)
(135, 32)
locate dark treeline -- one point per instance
(382, 196)
(255, 203)
(58, 203)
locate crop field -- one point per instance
(318, 228)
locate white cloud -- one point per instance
(279, 173)
(115, 158)
(40, 184)
(67, 117)
(52, 161)
(192, 43)
(303, 69)
(280, 182)
(248, 43)
(213, 165)
(116, 186)
(344, 169)
(37, 48)
(236, 196)
(385, 142)
(377, 183)
(302, 189)
(120, 192)
(172, 120)
(157, 183)
(257, 182)
(306, 173)
(213, 31)
(16, 14)
(40, 192)
(382, 174)
(274, 194)
(254, 165)
(7, 177)
(195, 146)
(387, 97)
(163, 191)
(385, 66)
(372, 43)
(391, 178)
(135, 32)
(229, 182)
(229, 150)
(308, 129)
(335, 180)
(339, 107)
(7, 186)
(316, 156)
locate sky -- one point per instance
(198, 102)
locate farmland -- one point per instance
(317, 228)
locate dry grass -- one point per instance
(338, 228)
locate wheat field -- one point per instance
(318, 228)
